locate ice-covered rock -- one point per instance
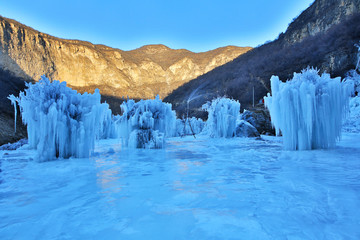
(260, 119)
(189, 126)
(245, 129)
(145, 118)
(61, 122)
(308, 110)
(222, 116)
(14, 146)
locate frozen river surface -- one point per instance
(193, 189)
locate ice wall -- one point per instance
(61, 122)
(308, 110)
(222, 116)
(152, 117)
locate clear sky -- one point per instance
(197, 25)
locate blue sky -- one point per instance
(197, 25)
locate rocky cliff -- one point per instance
(323, 36)
(141, 73)
(319, 17)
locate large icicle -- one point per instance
(61, 122)
(308, 110)
(13, 100)
(223, 113)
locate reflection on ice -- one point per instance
(193, 189)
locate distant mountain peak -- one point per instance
(154, 48)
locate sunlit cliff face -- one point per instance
(140, 73)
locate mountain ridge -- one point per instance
(140, 73)
(329, 47)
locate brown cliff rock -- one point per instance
(140, 73)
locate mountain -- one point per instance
(26, 54)
(323, 36)
(140, 73)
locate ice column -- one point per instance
(308, 110)
(221, 121)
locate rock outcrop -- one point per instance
(245, 129)
(140, 73)
(319, 17)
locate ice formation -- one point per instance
(354, 78)
(189, 126)
(352, 123)
(146, 138)
(61, 122)
(12, 98)
(223, 113)
(308, 110)
(106, 128)
(146, 123)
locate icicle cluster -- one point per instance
(352, 123)
(223, 113)
(189, 126)
(61, 122)
(146, 123)
(308, 110)
(146, 138)
(353, 78)
(106, 127)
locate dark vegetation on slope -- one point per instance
(332, 51)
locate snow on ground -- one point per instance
(199, 188)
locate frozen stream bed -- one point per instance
(193, 189)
